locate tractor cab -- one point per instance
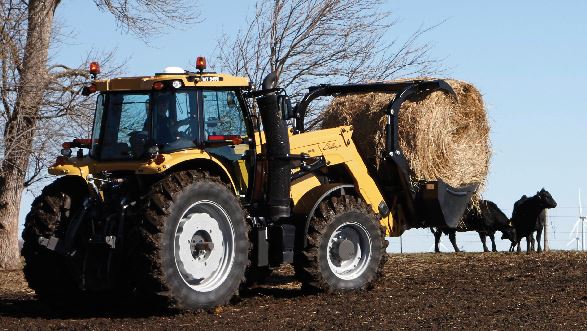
(134, 125)
(149, 124)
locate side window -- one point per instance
(97, 123)
(133, 117)
(126, 118)
(223, 114)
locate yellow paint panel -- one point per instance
(188, 80)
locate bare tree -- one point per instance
(146, 17)
(41, 102)
(65, 113)
(323, 41)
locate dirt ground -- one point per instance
(419, 291)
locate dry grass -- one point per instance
(12, 282)
(440, 138)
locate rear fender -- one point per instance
(209, 164)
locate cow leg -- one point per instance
(529, 244)
(492, 237)
(453, 239)
(437, 234)
(483, 237)
(538, 238)
(519, 250)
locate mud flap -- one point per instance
(441, 205)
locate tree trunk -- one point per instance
(19, 130)
(10, 200)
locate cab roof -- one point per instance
(206, 79)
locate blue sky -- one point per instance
(526, 57)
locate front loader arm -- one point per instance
(402, 90)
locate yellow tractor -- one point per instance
(185, 193)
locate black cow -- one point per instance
(529, 216)
(486, 221)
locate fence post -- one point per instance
(546, 223)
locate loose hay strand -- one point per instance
(439, 137)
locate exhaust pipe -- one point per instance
(277, 152)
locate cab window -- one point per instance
(222, 114)
(176, 122)
(127, 114)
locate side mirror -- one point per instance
(285, 107)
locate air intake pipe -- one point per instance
(277, 152)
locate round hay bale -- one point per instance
(439, 137)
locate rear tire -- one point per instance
(48, 273)
(193, 246)
(345, 247)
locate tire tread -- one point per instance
(307, 264)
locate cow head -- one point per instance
(509, 232)
(546, 199)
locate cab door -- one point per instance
(225, 133)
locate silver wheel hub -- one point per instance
(346, 250)
(204, 246)
(349, 250)
(201, 245)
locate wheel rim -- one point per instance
(204, 246)
(349, 250)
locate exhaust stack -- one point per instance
(277, 152)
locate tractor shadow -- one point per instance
(27, 306)
(281, 284)
(22, 305)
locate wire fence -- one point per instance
(564, 231)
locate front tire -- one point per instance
(345, 247)
(194, 243)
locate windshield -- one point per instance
(124, 122)
(175, 120)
